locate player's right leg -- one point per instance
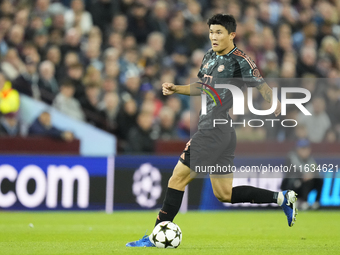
(180, 178)
(172, 202)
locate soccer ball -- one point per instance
(166, 235)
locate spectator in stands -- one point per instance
(333, 104)
(54, 55)
(22, 16)
(65, 102)
(130, 42)
(179, 62)
(58, 21)
(183, 129)
(5, 24)
(287, 70)
(150, 75)
(27, 82)
(307, 31)
(284, 41)
(309, 81)
(304, 182)
(111, 70)
(16, 37)
(126, 118)
(90, 105)
(35, 25)
(9, 125)
(119, 24)
(307, 62)
(317, 124)
(160, 14)
(75, 73)
(71, 58)
(3, 44)
(197, 38)
(92, 56)
(56, 37)
(102, 12)
(115, 40)
(40, 40)
(140, 23)
(7, 8)
(72, 42)
(95, 37)
(12, 64)
(110, 108)
(9, 98)
(48, 85)
(77, 17)
(126, 6)
(140, 138)
(42, 126)
(109, 85)
(331, 136)
(175, 103)
(193, 12)
(41, 10)
(156, 41)
(132, 85)
(196, 59)
(167, 124)
(177, 37)
(29, 50)
(270, 65)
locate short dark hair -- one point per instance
(225, 20)
(67, 83)
(76, 66)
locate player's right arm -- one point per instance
(189, 90)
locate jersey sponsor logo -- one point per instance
(220, 68)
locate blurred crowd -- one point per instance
(103, 62)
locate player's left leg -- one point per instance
(224, 192)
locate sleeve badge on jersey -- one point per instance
(220, 68)
(256, 74)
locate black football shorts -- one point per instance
(210, 151)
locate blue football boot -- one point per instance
(144, 242)
(289, 206)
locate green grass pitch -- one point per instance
(223, 232)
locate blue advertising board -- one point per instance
(53, 182)
(123, 183)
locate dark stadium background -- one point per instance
(124, 50)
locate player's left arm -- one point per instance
(267, 94)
